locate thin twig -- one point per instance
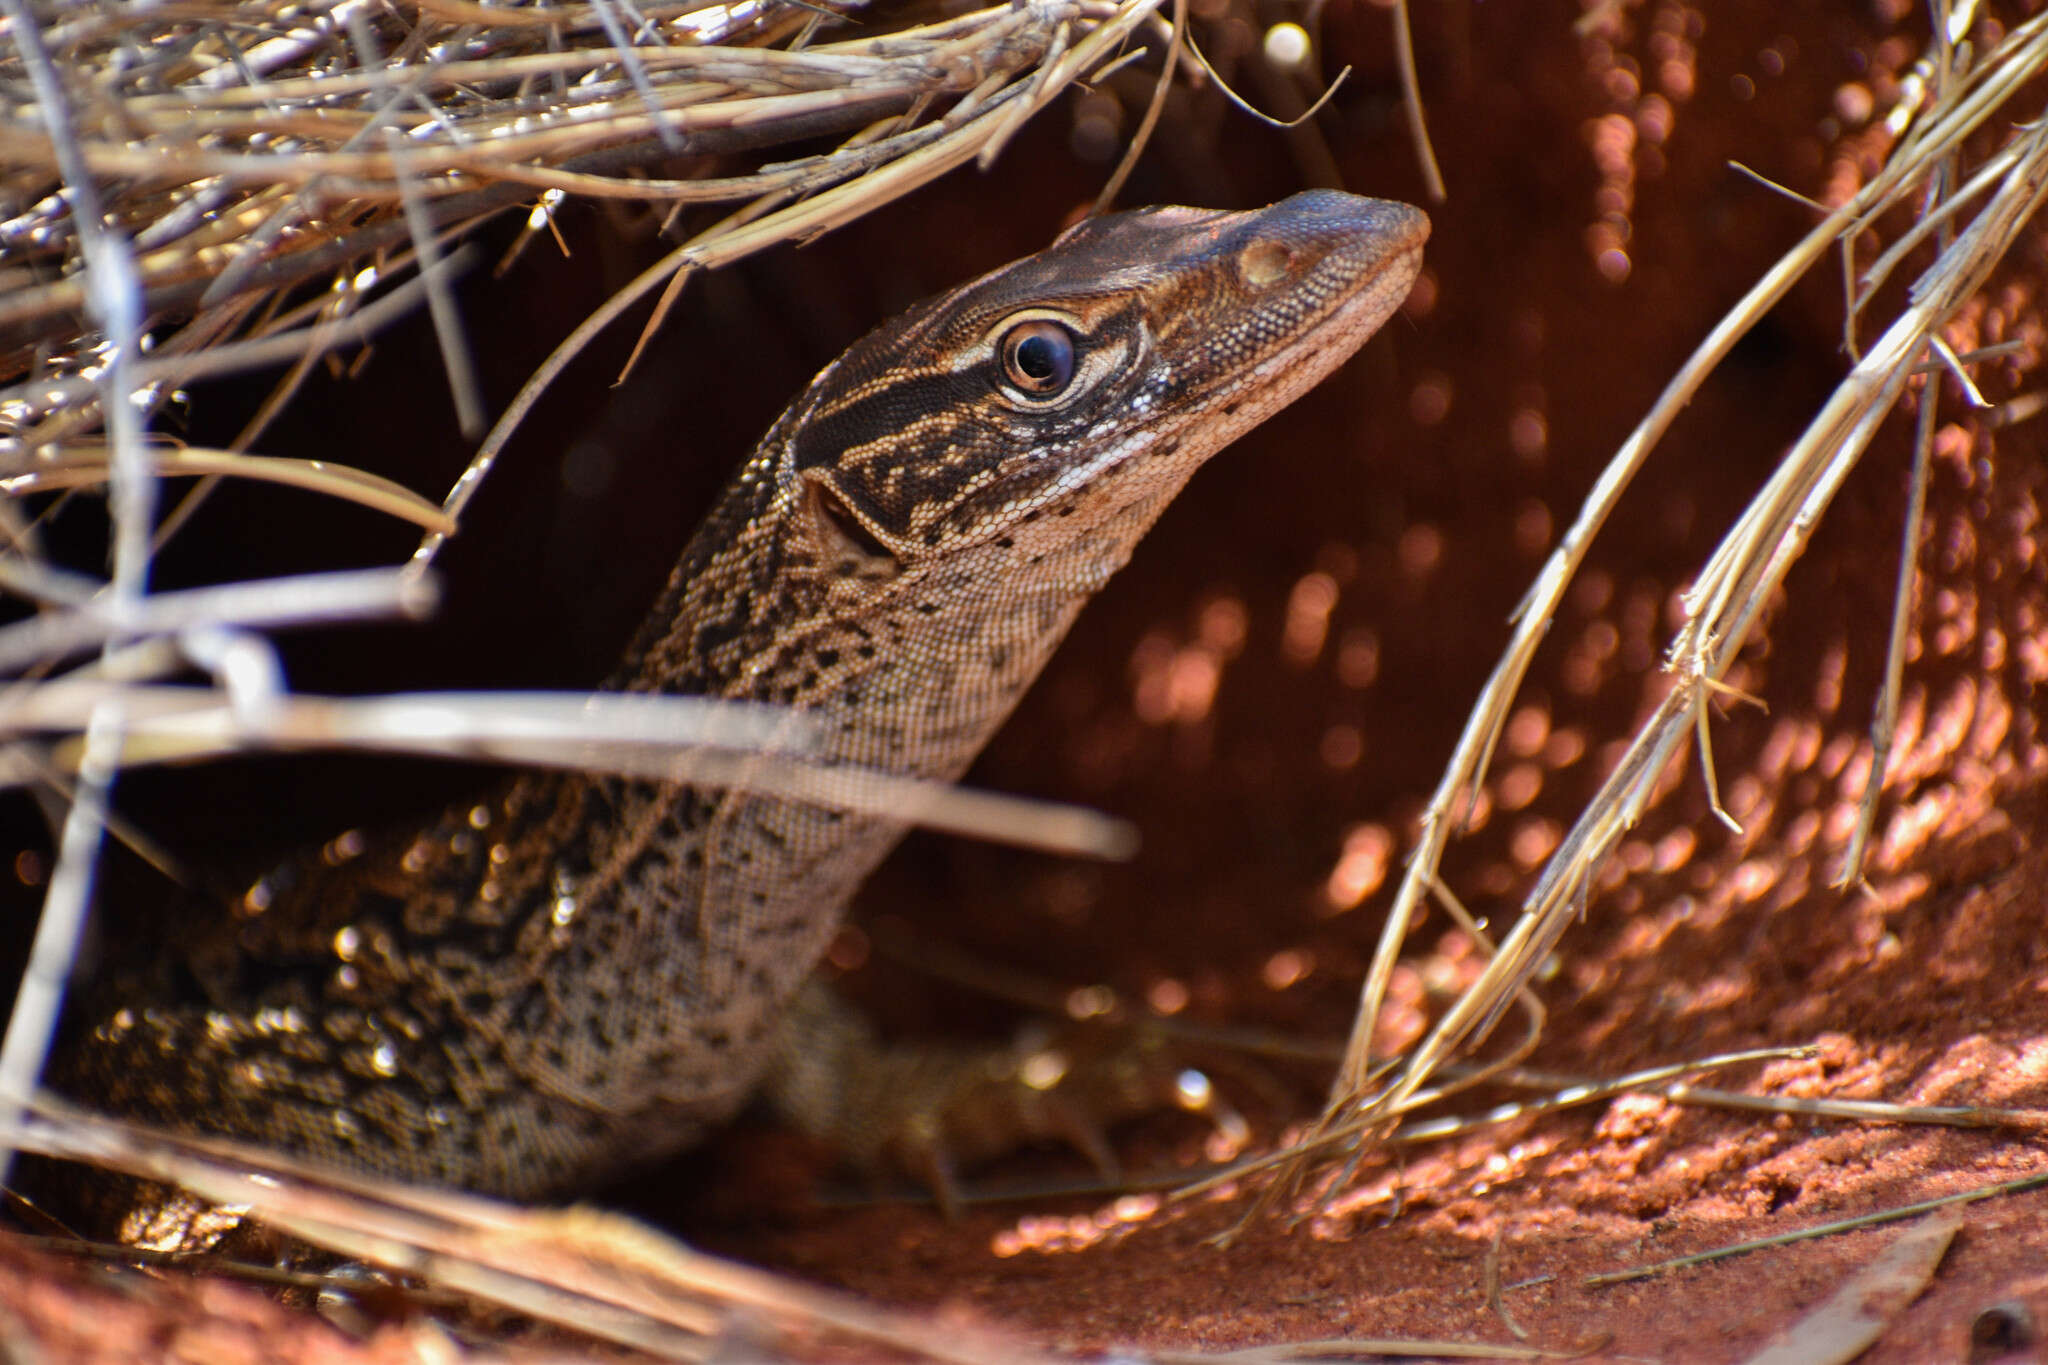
(1114, 186)
(1411, 101)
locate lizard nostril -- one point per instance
(1264, 262)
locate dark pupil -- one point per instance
(1038, 358)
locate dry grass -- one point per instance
(276, 182)
(188, 190)
(1973, 213)
(595, 1273)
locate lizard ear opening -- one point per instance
(851, 547)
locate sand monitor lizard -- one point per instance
(579, 972)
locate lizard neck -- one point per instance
(913, 683)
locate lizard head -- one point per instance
(1121, 356)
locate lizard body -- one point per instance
(581, 972)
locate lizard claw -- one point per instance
(930, 1111)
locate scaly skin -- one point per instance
(580, 972)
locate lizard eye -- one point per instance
(1038, 357)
